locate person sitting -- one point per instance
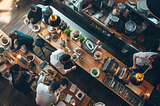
(62, 62)
(22, 39)
(146, 58)
(45, 94)
(34, 14)
(22, 82)
(14, 71)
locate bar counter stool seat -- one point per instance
(41, 43)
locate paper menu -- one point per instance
(61, 103)
(73, 88)
(68, 98)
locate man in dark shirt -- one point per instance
(34, 14)
(22, 39)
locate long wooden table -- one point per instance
(85, 100)
(89, 62)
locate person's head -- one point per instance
(65, 58)
(15, 67)
(13, 35)
(155, 59)
(22, 77)
(33, 8)
(54, 85)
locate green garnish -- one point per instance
(94, 71)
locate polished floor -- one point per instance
(11, 19)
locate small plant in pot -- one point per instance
(81, 38)
(68, 32)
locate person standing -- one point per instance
(34, 14)
(62, 62)
(22, 39)
(146, 58)
(45, 94)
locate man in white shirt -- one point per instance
(59, 60)
(146, 58)
(45, 94)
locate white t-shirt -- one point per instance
(44, 96)
(144, 58)
(54, 59)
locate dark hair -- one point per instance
(12, 35)
(33, 7)
(65, 57)
(22, 77)
(55, 85)
(156, 61)
(15, 67)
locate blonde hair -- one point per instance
(13, 35)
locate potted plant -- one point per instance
(81, 38)
(68, 32)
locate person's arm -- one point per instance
(69, 70)
(17, 48)
(24, 69)
(12, 46)
(134, 61)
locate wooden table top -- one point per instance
(85, 100)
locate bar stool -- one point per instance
(41, 43)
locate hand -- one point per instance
(47, 78)
(74, 67)
(134, 67)
(31, 20)
(36, 77)
(30, 71)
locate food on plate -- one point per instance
(50, 71)
(30, 57)
(62, 96)
(52, 28)
(42, 74)
(55, 36)
(1, 49)
(79, 95)
(34, 87)
(76, 34)
(98, 55)
(78, 51)
(4, 40)
(94, 71)
(7, 74)
(35, 27)
(65, 50)
(74, 56)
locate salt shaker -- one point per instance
(99, 47)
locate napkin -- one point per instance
(73, 88)
(3, 67)
(68, 98)
(61, 103)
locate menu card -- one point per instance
(61, 103)
(68, 98)
(73, 88)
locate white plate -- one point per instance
(88, 42)
(54, 32)
(10, 77)
(68, 50)
(99, 104)
(97, 73)
(74, 50)
(74, 37)
(36, 30)
(7, 39)
(76, 55)
(97, 58)
(78, 93)
(30, 24)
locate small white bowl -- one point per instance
(38, 27)
(97, 58)
(6, 39)
(96, 74)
